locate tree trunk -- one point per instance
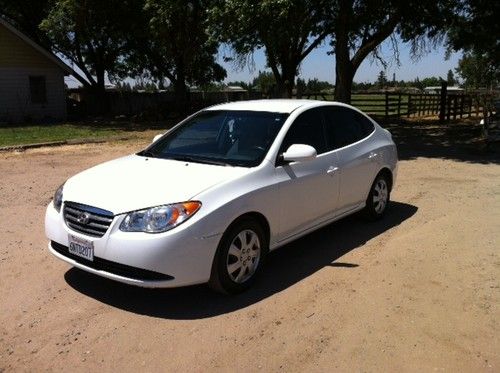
(344, 71)
(287, 82)
(344, 75)
(181, 95)
(99, 90)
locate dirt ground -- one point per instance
(418, 291)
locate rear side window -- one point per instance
(366, 123)
(306, 129)
(345, 126)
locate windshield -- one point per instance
(235, 138)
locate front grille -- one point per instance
(119, 269)
(85, 219)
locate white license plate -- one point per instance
(81, 247)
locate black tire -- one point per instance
(376, 210)
(221, 280)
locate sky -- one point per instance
(320, 65)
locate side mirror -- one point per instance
(157, 137)
(299, 153)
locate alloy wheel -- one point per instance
(380, 196)
(243, 256)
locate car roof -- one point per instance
(270, 105)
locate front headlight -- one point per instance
(58, 198)
(159, 219)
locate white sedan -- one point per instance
(206, 201)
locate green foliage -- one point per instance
(240, 83)
(432, 81)
(264, 82)
(93, 34)
(287, 30)
(27, 15)
(174, 44)
(316, 85)
(381, 79)
(477, 29)
(361, 26)
(478, 71)
(450, 78)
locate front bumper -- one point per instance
(179, 257)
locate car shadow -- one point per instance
(283, 268)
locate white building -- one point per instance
(31, 79)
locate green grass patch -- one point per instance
(20, 135)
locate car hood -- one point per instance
(135, 182)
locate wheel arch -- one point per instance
(259, 218)
(385, 171)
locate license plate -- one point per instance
(81, 247)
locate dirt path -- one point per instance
(419, 291)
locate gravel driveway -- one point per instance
(418, 291)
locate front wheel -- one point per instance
(238, 257)
(378, 198)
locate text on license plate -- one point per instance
(81, 247)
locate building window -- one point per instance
(38, 91)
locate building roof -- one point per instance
(438, 88)
(37, 47)
(273, 105)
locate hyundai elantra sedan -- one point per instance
(206, 201)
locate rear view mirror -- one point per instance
(299, 153)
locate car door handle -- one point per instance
(331, 170)
(372, 155)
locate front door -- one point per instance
(308, 190)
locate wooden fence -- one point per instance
(381, 104)
(388, 104)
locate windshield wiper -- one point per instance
(187, 158)
(147, 153)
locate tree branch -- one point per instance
(374, 40)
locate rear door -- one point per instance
(349, 133)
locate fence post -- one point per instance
(399, 105)
(442, 102)
(462, 97)
(386, 105)
(455, 98)
(408, 111)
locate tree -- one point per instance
(287, 31)
(300, 86)
(94, 35)
(316, 85)
(265, 82)
(381, 79)
(240, 83)
(174, 44)
(476, 29)
(450, 78)
(27, 15)
(361, 26)
(477, 70)
(431, 81)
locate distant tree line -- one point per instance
(174, 43)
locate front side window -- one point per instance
(226, 137)
(306, 129)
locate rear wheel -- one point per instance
(238, 257)
(378, 199)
